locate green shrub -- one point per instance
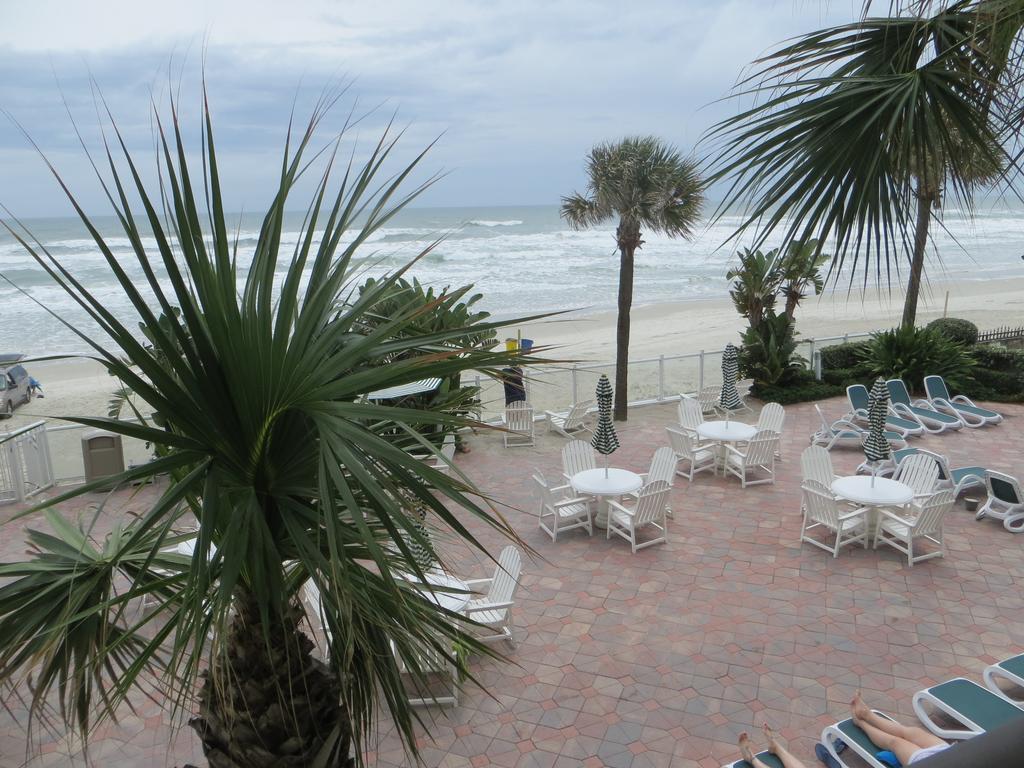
(963, 331)
(912, 353)
(848, 355)
(998, 358)
(998, 382)
(796, 393)
(843, 376)
(769, 351)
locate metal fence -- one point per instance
(26, 467)
(1006, 333)
(651, 380)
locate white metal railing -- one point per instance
(667, 377)
(25, 464)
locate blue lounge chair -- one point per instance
(919, 410)
(854, 738)
(958, 479)
(857, 394)
(845, 432)
(1005, 501)
(976, 709)
(959, 405)
(1010, 670)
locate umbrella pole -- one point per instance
(606, 466)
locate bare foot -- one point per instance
(773, 743)
(859, 708)
(744, 744)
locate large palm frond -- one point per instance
(253, 376)
(842, 115)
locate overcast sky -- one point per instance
(520, 90)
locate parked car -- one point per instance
(14, 385)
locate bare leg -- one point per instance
(892, 736)
(916, 736)
(776, 748)
(747, 753)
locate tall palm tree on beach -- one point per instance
(288, 482)
(845, 120)
(647, 184)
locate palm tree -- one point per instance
(800, 270)
(755, 284)
(288, 476)
(842, 116)
(647, 184)
(977, 168)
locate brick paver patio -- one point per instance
(663, 657)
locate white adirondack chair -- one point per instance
(571, 423)
(920, 472)
(649, 509)
(708, 398)
(663, 467)
(772, 417)
(577, 456)
(816, 465)
(743, 390)
(518, 424)
(900, 531)
(688, 448)
(438, 666)
(443, 463)
(756, 455)
(822, 510)
(690, 414)
(494, 609)
(560, 510)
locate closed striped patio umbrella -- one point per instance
(730, 399)
(605, 441)
(876, 447)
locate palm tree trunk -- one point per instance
(272, 703)
(628, 236)
(925, 200)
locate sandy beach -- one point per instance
(82, 387)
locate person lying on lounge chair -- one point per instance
(788, 761)
(908, 743)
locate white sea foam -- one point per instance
(486, 223)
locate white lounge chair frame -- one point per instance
(518, 424)
(994, 672)
(822, 509)
(905, 428)
(648, 510)
(919, 410)
(900, 532)
(698, 456)
(1012, 514)
(577, 456)
(562, 511)
(494, 609)
(571, 423)
(924, 699)
(843, 431)
(757, 454)
(961, 406)
(831, 733)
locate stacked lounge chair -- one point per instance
(960, 406)
(920, 411)
(857, 394)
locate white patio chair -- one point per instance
(518, 424)
(663, 467)
(708, 398)
(494, 609)
(571, 423)
(561, 510)
(436, 665)
(758, 454)
(443, 463)
(822, 509)
(920, 471)
(690, 414)
(743, 387)
(577, 456)
(816, 466)
(688, 448)
(900, 531)
(772, 417)
(1005, 501)
(649, 509)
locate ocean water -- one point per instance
(522, 259)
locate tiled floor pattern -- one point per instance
(663, 657)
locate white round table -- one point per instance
(441, 582)
(604, 483)
(882, 492)
(723, 432)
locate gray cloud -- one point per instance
(520, 90)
